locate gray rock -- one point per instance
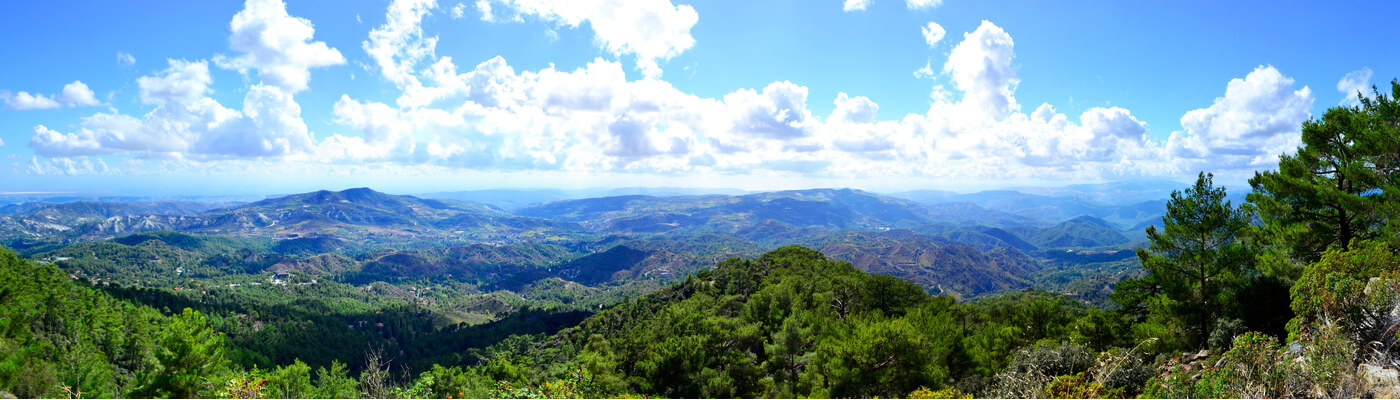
(1378, 382)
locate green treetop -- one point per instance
(1198, 258)
(1334, 189)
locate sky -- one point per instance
(416, 96)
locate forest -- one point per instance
(1294, 292)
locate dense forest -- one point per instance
(1293, 293)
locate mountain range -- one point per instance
(958, 244)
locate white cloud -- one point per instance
(278, 45)
(856, 5)
(386, 135)
(185, 123)
(593, 120)
(379, 122)
(182, 82)
(926, 71)
(2, 142)
(857, 109)
(932, 33)
(399, 44)
(780, 112)
(69, 166)
(1355, 83)
(981, 68)
(651, 30)
(1258, 118)
(78, 94)
(484, 7)
(74, 94)
(25, 101)
(269, 126)
(126, 59)
(922, 4)
(458, 11)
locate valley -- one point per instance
(628, 243)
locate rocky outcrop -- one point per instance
(1378, 382)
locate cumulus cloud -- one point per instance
(458, 11)
(276, 44)
(855, 5)
(484, 7)
(651, 30)
(385, 134)
(398, 45)
(78, 94)
(779, 112)
(857, 109)
(593, 119)
(186, 123)
(25, 101)
(74, 94)
(181, 82)
(981, 68)
(494, 117)
(125, 59)
(1353, 84)
(1258, 118)
(933, 32)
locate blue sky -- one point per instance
(419, 96)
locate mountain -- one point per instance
(361, 236)
(817, 208)
(510, 199)
(105, 209)
(946, 269)
(985, 238)
(1013, 207)
(1112, 193)
(38, 219)
(1084, 231)
(967, 213)
(504, 198)
(361, 215)
(479, 264)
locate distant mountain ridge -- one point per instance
(993, 241)
(104, 209)
(817, 208)
(352, 214)
(1121, 215)
(510, 199)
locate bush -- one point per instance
(1355, 289)
(1079, 386)
(1252, 368)
(945, 393)
(1326, 367)
(1031, 370)
(1124, 369)
(1224, 333)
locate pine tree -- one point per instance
(1339, 187)
(1198, 258)
(190, 354)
